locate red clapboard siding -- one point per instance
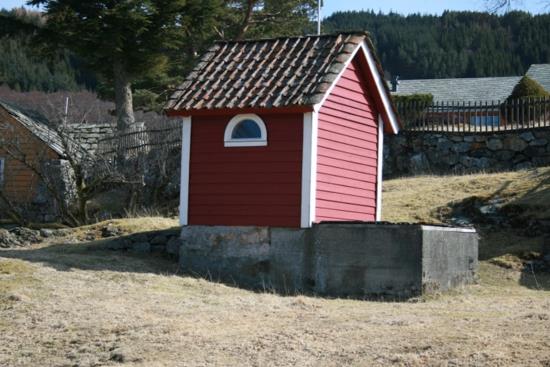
(246, 186)
(347, 155)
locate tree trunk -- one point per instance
(123, 98)
(250, 4)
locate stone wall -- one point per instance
(89, 135)
(432, 152)
(334, 259)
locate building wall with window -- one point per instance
(246, 185)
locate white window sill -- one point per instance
(245, 143)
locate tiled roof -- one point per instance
(540, 73)
(38, 128)
(280, 72)
(461, 89)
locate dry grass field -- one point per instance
(72, 303)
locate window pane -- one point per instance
(246, 129)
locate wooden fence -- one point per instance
(142, 140)
(449, 116)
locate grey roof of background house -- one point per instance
(461, 89)
(37, 127)
(540, 73)
(278, 72)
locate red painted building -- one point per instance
(284, 132)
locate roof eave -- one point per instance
(236, 111)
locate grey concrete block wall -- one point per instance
(448, 258)
(334, 259)
(233, 254)
(368, 259)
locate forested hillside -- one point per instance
(22, 68)
(455, 44)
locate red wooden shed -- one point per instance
(284, 132)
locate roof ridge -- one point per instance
(265, 39)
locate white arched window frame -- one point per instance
(229, 141)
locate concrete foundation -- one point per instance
(334, 259)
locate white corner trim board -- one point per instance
(377, 80)
(380, 87)
(185, 162)
(230, 141)
(380, 168)
(309, 169)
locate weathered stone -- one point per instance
(450, 159)
(484, 163)
(7, 239)
(139, 237)
(159, 248)
(541, 133)
(419, 163)
(533, 151)
(523, 165)
(541, 161)
(46, 233)
(110, 231)
(439, 153)
(444, 145)
(119, 244)
(479, 153)
(462, 147)
(538, 142)
(159, 239)
(142, 247)
(468, 162)
(504, 155)
(494, 144)
(477, 145)
(527, 136)
(26, 235)
(518, 158)
(173, 246)
(514, 143)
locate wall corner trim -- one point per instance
(309, 169)
(380, 168)
(185, 165)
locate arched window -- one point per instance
(245, 131)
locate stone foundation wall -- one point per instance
(339, 259)
(440, 153)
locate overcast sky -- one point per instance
(399, 6)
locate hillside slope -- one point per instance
(511, 210)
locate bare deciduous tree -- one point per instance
(86, 173)
(494, 6)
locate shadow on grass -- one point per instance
(106, 255)
(96, 256)
(533, 278)
(110, 255)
